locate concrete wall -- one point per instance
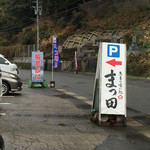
(84, 64)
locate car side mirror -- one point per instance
(7, 62)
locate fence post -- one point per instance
(23, 51)
(15, 52)
(19, 51)
(34, 47)
(28, 50)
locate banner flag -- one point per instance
(56, 58)
(76, 61)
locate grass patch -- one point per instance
(137, 77)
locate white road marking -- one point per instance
(2, 114)
(8, 96)
(61, 90)
(138, 127)
(86, 100)
(5, 103)
(70, 93)
(130, 122)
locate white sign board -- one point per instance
(112, 79)
(37, 67)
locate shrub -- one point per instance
(45, 31)
(146, 45)
(79, 20)
(61, 23)
(138, 64)
(27, 37)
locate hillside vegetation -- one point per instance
(65, 18)
(18, 26)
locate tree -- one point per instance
(15, 13)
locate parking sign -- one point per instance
(113, 79)
(113, 50)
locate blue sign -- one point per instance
(56, 58)
(113, 50)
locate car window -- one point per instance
(2, 60)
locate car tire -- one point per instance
(2, 145)
(5, 88)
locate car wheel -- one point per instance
(5, 88)
(2, 146)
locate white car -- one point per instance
(7, 66)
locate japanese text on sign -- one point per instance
(111, 102)
(37, 66)
(56, 58)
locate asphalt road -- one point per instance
(138, 102)
(138, 90)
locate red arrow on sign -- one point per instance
(113, 62)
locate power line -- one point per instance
(15, 27)
(65, 11)
(69, 5)
(11, 28)
(19, 11)
(69, 9)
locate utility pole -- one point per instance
(38, 12)
(37, 22)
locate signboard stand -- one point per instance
(52, 84)
(109, 96)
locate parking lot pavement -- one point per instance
(46, 119)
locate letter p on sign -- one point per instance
(113, 50)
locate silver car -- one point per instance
(10, 83)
